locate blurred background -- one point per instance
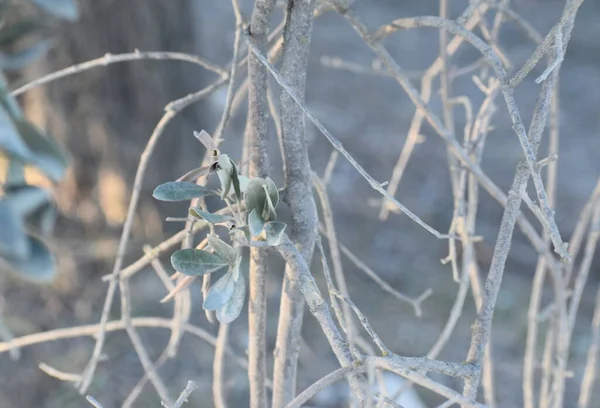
(105, 116)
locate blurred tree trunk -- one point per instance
(105, 116)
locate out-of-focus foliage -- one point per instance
(27, 212)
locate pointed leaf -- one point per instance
(242, 182)
(210, 217)
(206, 140)
(268, 212)
(232, 309)
(45, 153)
(195, 262)
(235, 269)
(224, 172)
(220, 292)
(66, 9)
(13, 240)
(255, 223)
(20, 59)
(10, 139)
(274, 231)
(39, 266)
(236, 183)
(273, 192)
(24, 199)
(222, 249)
(192, 175)
(180, 191)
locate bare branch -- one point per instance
(109, 59)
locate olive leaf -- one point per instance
(39, 266)
(66, 9)
(257, 190)
(209, 217)
(255, 222)
(196, 262)
(24, 199)
(274, 231)
(236, 182)
(222, 249)
(268, 212)
(206, 140)
(13, 241)
(18, 60)
(220, 292)
(233, 307)
(10, 139)
(225, 168)
(44, 152)
(193, 174)
(180, 191)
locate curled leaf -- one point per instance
(225, 170)
(255, 222)
(233, 307)
(180, 191)
(274, 231)
(196, 262)
(206, 140)
(220, 292)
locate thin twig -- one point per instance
(219, 394)
(93, 401)
(589, 374)
(109, 59)
(61, 375)
(337, 144)
(185, 394)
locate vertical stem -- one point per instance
(220, 397)
(299, 197)
(256, 133)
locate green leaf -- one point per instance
(209, 217)
(222, 249)
(268, 212)
(24, 199)
(14, 32)
(13, 241)
(192, 175)
(236, 183)
(180, 191)
(274, 231)
(39, 266)
(66, 9)
(273, 192)
(220, 292)
(45, 153)
(10, 139)
(206, 140)
(224, 172)
(196, 262)
(255, 223)
(18, 60)
(233, 307)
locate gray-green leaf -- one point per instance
(10, 139)
(39, 266)
(268, 212)
(194, 174)
(210, 217)
(44, 152)
(20, 59)
(232, 309)
(274, 231)
(222, 249)
(180, 191)
(220, 292)
(13, 241)
(255, 223)
(196, 262)
(66, 9)
(244, 229)
(24, 199)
